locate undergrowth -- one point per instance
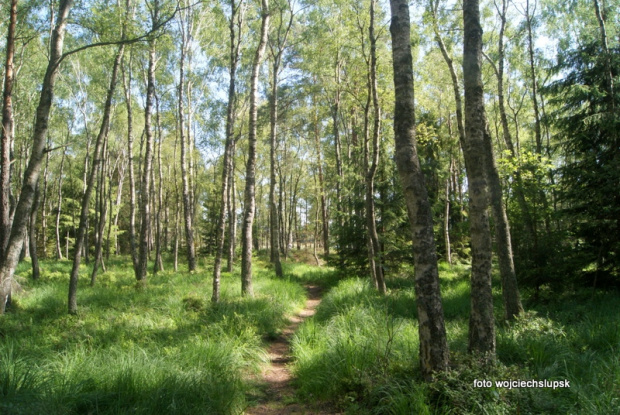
(159, 349)
(360, 351)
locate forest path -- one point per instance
(279, 393)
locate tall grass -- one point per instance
(361, 352)
(160, 349)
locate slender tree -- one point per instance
(6, 133)
(434, 354)
(31, 174)
(185, 29)
(132, 180)
(145, 205)
(32, 239)
(97, 158)
(481, 321)
(277, 46)
(372, 161)
(234, 26)
(250, 176)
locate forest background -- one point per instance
(188, 136)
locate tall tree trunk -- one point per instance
(434, 355)
(277, 46)
(274, 223)
(44, 205)
(510, 292)
(226, 194)
(338, 145)
(103, 211)
(33, 235)
(319, 162)
(119, 198)
(159, 263)
(446, 216)
(530, 50)
(186, 150)
(59, 203)
(132, 179)
(374, 251)
(145, 206)
(97, 156)
(250, 176)
(481, 322)
(6, 134)
(31, 176)
(232, 214)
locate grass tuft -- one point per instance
(160, 347)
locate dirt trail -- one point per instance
(279, 395)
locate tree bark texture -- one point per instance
(36, 273)
(232, 211)
(374, 251)
(145, 206)
(234, 26)
(481, 322)
(434, 355)
(102, 212)
(250, 181)
(159, 263)
(6, 134)
(59, 204)
(132, 178)
(322, 198)
(277, 46)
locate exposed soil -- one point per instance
(280, 394)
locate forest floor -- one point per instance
(279, 392)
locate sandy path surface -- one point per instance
(279, 398)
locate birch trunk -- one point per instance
(31, 176)
(481, 322)
(250, 183)
(434, 354)
(185, 156)
(145, 206)
(226, 195)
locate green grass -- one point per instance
(361, 352)
(163, 348)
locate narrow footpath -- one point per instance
(280, 394)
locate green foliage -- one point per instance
(160, 349)
(587, 122)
